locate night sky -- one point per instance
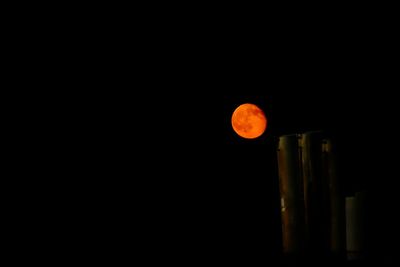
(159, 170)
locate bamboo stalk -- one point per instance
(316, 193)
(290, 186)
(337, 201)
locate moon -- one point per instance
(249, 121)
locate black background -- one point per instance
(151, 167)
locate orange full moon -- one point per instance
(249, 121)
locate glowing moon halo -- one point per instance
(249, 121)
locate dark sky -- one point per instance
(160, 156)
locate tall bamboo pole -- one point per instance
(337, 201)
(290, 186)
